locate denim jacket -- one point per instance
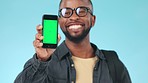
(60, 68)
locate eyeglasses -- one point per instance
(80, 11)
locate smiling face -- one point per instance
(76, 28)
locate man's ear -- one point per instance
(93, 20)
(59, 19)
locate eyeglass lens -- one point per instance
(67, 12)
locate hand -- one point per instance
(43, 54)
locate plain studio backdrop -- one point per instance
(121, 25)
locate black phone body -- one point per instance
(50, 31)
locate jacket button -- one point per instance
(95, 68)
(72, 65)
(72, 81)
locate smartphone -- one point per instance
(50, 31)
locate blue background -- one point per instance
(121, 25)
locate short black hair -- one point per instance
(88, 1)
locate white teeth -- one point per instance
(75, 27)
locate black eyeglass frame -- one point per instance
(75, 9)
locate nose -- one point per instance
(74, 16)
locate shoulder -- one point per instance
(112, 58)
(110, 54)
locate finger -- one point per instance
(37, 44)
(38, 37)
(39, 29)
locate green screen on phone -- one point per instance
(50, 31)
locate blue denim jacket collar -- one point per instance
(62, 51)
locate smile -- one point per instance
(73, 27)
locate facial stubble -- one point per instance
(79, 38)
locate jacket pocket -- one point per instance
(57, 79)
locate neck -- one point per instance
(82, 49)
